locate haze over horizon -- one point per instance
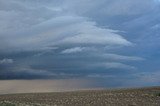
(115, 42)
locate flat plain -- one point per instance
(113, 97)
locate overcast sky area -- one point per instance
(115, 41)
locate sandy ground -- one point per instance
(119, 97)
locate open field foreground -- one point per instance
(120, 97)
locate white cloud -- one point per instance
(6, 61)
(91, 34)
(116, 65)
(30, 28)
(73, 50)
(121, 57)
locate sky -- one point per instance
(114, 41)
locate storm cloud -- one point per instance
(71, 38)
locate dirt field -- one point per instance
(120, 97)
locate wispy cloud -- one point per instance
(73, 50)
(61, 30)
(115, 65)
(121, 57)
(6, 61)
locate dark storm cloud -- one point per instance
(71, 38)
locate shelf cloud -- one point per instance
(43, 39)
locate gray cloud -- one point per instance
(100, 76)
(110, 8)
(77, 38)
(149, 77)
